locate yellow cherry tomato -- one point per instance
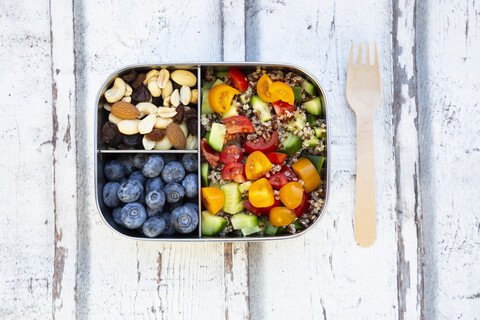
(263, 89)
(220, 97)
(260, 194)
(306, 171)
(281, 216)
(257, 165)
(282, 91)
(213, 199)
(291, 194)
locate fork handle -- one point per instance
(365, 208)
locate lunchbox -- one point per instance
(104, 154)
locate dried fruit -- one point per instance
(125, 110)
(157, 101)
(139, 80)
(184, 78)
(155, 135)
(117, 140)
(178, 118)
(130, 77)
(176, 136)
(109, 131)
(146, 125)
(133, 140)
(191, 113)
(192, 125)
(141, 94)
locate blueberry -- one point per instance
(153, 166)
(116, 214)
(184, 219)
(172, 206)
(190, 162)
(154, 184)
(114, 170)
(153, 227)
(129, 191)
(127, 161)
(153, 213)
(139, 160)
(174, 192)
(155, 199)
(133, 215)
(169, 229)
(169, 157)
(194, 206)
(173, 172)
(138, 175)
(142, 200)
(110, 197)
(190, 183)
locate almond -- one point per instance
(125, 110)
(176, 136)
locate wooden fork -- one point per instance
(364, 92)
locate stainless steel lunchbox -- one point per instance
(102, 154)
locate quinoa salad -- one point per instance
(263, 152)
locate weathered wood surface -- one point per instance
(59, 261)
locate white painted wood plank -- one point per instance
(26, 191)
(64, 160)
(450, 140)
(124, 278)
(325, 274)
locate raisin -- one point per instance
(158, 101)
(139, 81)
(122, 147)
(178, 118)
(130, 77)
(192, 126)
(132, 140)
(155, 135)
(141, 94)
(109, 131)
(116, 141)
(191, 113)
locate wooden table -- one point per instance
(58, 260)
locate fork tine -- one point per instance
(367, 61)
(359, 59)
(350, 61)
(375, 62)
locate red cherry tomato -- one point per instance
(229, 137)
(303, 205)
(288, 172)
(234, 171)
(266, 211)
(281, 107)
(276, 157)
(271, 145)
(239, 80)
(238, 124)
(248, 205)
(211, 155)
(231, 154)
(278, 180)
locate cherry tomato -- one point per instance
(306, 171)
(220, 97)
(231, 154)
(277, 180)
(260, 194)
(211, 155)
(288, 172)
(229, 137)
(281, 107)
(257, 165)
(263, 89)
(303, 205)
(213, 199)
(282, 91)
(239, 80)
(291, 194)
(270, 145)
(248, 205)
(266, 210)
(281, 216)
(234, 171)
(276, 157)
(238, 124)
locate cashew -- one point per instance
(153, 88)
(166, 112)
(146, 108)
(114, 119)
(162, 123)
(146, 125)
(150, 74)
(163, 144)
(194, 96)
(107, 106)
(167, 91)
(148, 144)
(128, 127)
(127, 99)
(192, 142)
(128, 90)
(184, 128)
(116, 92)
(163, 77)
(175, 98)
(185, 95)
(166, 102)
(184, 78)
